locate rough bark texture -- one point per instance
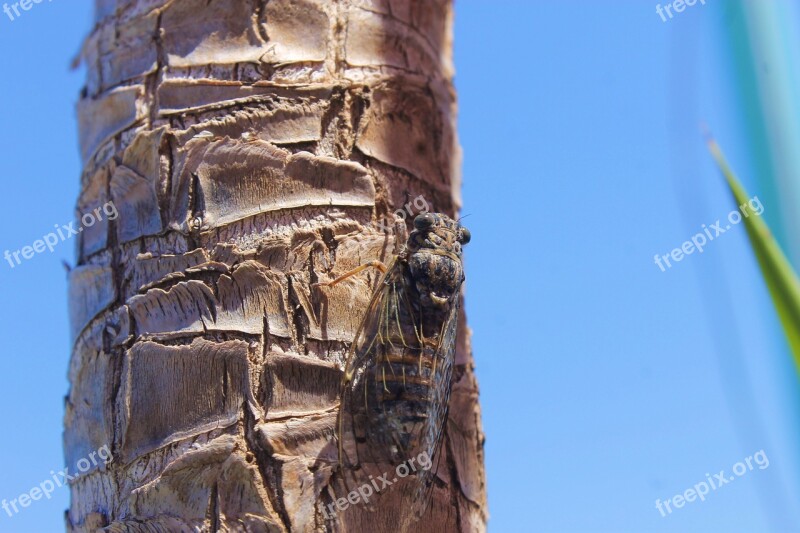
(250, 147)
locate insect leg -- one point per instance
(372, 264)
(386, 321)
(411, 313)
(397, 315)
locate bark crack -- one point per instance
(154, 80)
(267, 468)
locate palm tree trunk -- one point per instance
(250, 148)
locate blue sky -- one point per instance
(605, 383)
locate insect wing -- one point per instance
(444, 360)
(395, 393)
(379, 328)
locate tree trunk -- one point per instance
(243, 150)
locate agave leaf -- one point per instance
(782, 281)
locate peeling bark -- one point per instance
(251, 148)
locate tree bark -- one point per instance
(250, 148)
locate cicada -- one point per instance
(396, 383)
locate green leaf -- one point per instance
(782, 281)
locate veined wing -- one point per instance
(444, 360)
(395, 392)
(387, 327)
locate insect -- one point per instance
(396, 383)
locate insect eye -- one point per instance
(423, 222)
(465, 236)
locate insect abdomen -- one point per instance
(397, 400)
